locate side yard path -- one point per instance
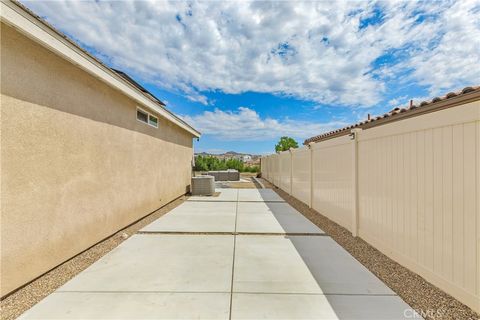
(425, 298)
(244, 254)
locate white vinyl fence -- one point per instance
(333, 180)
(301, 166)
(410, 188)
(285, 171)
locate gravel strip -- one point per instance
(412, 288)
(26, 297)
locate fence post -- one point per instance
(310, 149)
(355, 218)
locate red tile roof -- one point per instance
(438, 103)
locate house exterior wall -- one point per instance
(76, 165)
(414, 188)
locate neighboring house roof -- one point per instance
(27, 22)
(467, 94)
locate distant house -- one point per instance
(85, 150)
(246, 158)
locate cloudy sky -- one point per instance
(246, 73)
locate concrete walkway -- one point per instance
(245, 254)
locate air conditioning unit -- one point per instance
(203, 185)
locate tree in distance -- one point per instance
(285, 144)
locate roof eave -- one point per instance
(26, 22)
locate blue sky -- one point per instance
(246, 73)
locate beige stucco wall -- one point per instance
(76, 165)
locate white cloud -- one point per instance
(455, 60)
(395, 102)
(310, 50)
(245, 124)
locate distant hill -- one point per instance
(230, 155)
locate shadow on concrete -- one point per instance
(291, 220)
(352, 291)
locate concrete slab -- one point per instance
(152, 276)
(270, 264)
(173, 263)
(197, 217)
(305, 306)
(299, 264)
(225, 195)
(259, 195)
(272, 217)
(119, 305)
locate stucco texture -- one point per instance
(76, 165)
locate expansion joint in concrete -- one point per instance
(232, 233)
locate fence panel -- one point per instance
(284, 159)
(275, 170)
(332, 180)
(418, 193)
(265, 167)
(270, 168)
(301, 174)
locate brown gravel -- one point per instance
(26, 297)
(425, 298)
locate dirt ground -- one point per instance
(428, 300)
(251, 184)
